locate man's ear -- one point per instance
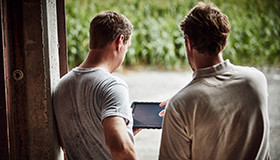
(119, 42)
(189, 43)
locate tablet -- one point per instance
(146, 115)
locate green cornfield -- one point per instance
(157, 40)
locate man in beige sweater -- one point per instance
(222, 113)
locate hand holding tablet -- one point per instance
(146, 115)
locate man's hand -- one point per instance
(161, 113)
(136, 130)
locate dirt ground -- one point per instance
(154, 86)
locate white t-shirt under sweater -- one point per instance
(221, 114)
(82, 99)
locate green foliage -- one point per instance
(255, 33)
(158, 41)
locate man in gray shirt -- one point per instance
(222, 113)
(90, 104)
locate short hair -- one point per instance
(106, 27)
(208, 28)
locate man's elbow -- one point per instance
(121, 150)
(116, 147)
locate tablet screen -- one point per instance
(146, 115)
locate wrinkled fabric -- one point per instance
(82, 99)
(221, 114)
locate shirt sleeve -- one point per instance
(175, 143)
(116, 102)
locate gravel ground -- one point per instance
(154, 86)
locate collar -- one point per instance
(79, 69)
(213, 70)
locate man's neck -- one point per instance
(204, 61)
(97, 58)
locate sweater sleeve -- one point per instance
(175, 143)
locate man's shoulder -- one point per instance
(85, 74)
(247, 69)
(250, 73)
(108, 77)
(189, 93)
(64, 79)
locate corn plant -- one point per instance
(158, 41)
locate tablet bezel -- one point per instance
(133, 106)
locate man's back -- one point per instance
(82, 100)
(222, 114)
